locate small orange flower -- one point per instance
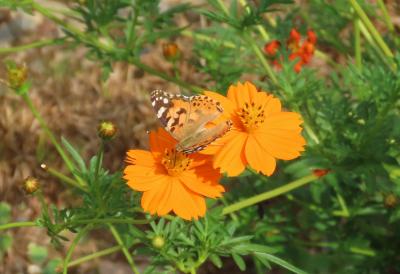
(272, 47)
(303, 50)
(170, 180)
(261, 131)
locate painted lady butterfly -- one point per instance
(186, 117)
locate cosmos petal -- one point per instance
(281, 144)
(258, 159)
(192, 182)
(183, 203)
(230, 158)
(161, 140)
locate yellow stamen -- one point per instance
(252, 116)
(175, 162)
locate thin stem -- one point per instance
(262, 58)
(17, 225)
(204, 37)
(65, 179)
(374, 32)
(128, 256)
(95, 255)
(269, 194)
(36, 44)
(222, 7)
(164, 76)
(386, 16)
(111, 220)
(357, 42)
(50, 135)
(80, 234)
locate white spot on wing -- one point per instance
(161, 111)
(165, 100)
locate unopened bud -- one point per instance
(30, 185)
(171, 51)
(321, 172)
(390, 200)
(158, 242)
(17, 75)
(107, 130)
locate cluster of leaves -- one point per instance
(343, 223)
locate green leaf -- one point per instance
(36, 253)
(75, 155)
(5, 212)
(216, 260)
(5, 242)
(51, 266)
(280, 262)
(239, 261)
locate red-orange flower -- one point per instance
(299, 50)
(261, 131)
(170, 180)
(272, 47)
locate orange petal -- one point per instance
(230, 158)
(283, 120)
(165, 204)
(197, 185)
(281, 144)
(151, 199)
(272, 105)
(242, 93)
(209, 174)
(258, 159)
(184, 205)
(142, 178)
(161, 140)
(140, 157)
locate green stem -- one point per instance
(269, 194)
(222, 7)
(362, 251)
(204, 37)
(386, 15)
(261, 57)
(17, 225)
(95, 255)
(164, 76)
(374, 32)
(80, 234)
(50, 135)
(36, 44)
(65, 179)
(124, 249)
(111, 220)
(357, 42)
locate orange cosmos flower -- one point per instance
(170, 180)
(261, 131)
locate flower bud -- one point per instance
(16, 75)
(321, 172)
(171, 51)
(390, 200)
(158, 242)
(30, 185)
(107, 130)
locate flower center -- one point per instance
(252, 116)
(175, 162)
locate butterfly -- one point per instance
(186, 118)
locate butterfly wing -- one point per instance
(185, 118)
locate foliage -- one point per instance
(346, 222)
